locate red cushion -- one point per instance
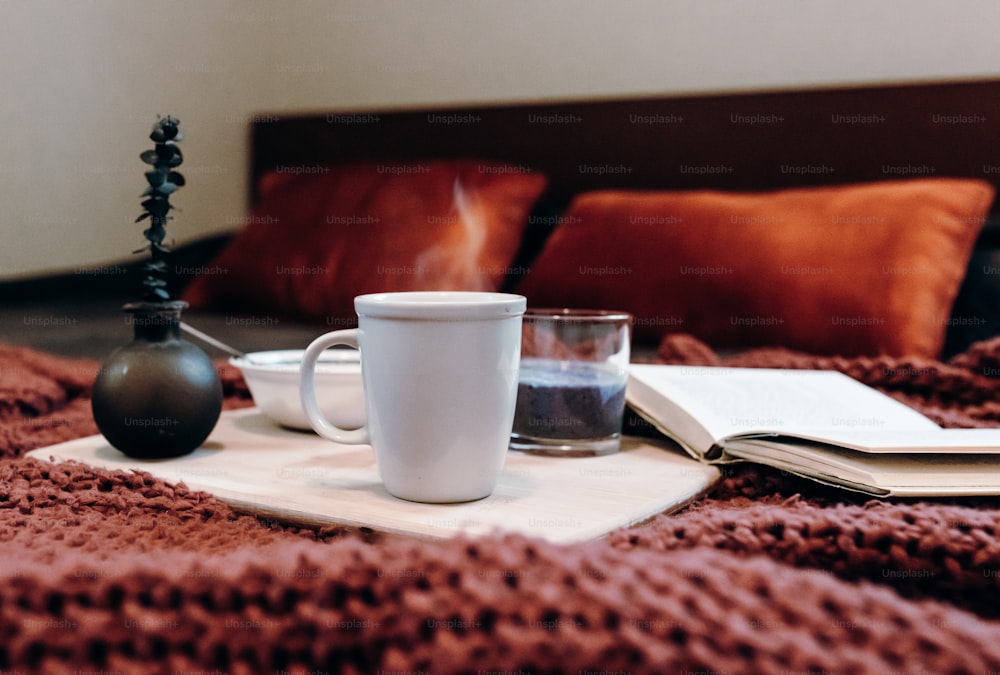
(857, 269)
(315, 241)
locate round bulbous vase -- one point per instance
(158, 396)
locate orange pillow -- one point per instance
(855, 269)
(315, 240)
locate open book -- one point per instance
(820, 424)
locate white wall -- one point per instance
(81, 82)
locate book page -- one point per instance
(926, 474)
(905, 441)
(731, 401)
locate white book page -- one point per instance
(915, 475)
(732, 401)
(912, 441)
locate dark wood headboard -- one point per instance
(745, 141)
(750, 141)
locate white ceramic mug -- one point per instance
(440, 378)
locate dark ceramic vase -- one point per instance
(158, 396)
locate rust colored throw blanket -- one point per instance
(117, 572)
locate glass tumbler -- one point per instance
(571, 385)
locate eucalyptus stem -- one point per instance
(163, 181)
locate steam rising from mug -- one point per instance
(454, 264)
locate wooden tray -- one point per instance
(296, 477)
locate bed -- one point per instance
(891, 190)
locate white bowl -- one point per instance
(273, 379)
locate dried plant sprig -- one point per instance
(163, 181)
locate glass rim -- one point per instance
(576, 314)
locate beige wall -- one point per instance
(81, 82)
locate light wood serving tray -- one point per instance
(296, 477)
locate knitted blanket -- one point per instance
(114, 572)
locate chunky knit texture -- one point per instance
(119, 572)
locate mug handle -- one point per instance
(307, 389)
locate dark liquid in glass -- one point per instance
(568, 400)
